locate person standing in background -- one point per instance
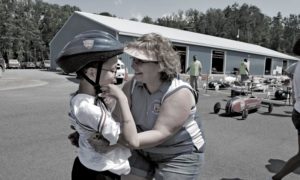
(244, 72)
(294, 162)
(195, 71)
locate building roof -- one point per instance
(137, 29)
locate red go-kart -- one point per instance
(242, 105)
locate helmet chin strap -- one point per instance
(95, 84)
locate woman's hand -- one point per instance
(114, 91)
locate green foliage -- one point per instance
(147, 19)
(107, 14)
(243, 23)
(27, 27)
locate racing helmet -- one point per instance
(86, 47)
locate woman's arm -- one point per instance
(123, 114)
(117, 111)
(173, 114)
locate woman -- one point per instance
(294, 162)
(170, 142)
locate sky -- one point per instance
(158, 8)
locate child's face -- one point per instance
(108, 72)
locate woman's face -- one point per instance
(145, 71)
(108, 72)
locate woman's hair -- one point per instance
(168, 58)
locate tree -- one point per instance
(106, 14)
(291, 32)
(147, 19)
(231, 26)
(133, 19)
(195, 21)
(215, 21)
(276, 32)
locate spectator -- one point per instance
(195, 71)
(294, 162)
(244, 72)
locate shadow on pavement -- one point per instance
(288, 112)
(276, 114)
(231, 179)
(275, 165)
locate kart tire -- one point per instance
(270, 108)
(245, 114)
(217, 108)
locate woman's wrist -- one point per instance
(122, 99)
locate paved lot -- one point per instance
(34, 127)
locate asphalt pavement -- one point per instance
(34, 128)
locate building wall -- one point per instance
(75, 25)
(257, 64)
(234, 59)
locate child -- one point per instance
(93, 56)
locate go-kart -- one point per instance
(281, 94)
(258, 87)
(242, 105)
(222, 85)
(238, 89)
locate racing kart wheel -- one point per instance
(270, 108)
(244, 114)
(217, 108)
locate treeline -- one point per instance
(27, 26)
(243, 23)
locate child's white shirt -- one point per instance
(88, 118)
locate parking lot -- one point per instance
(34, 128)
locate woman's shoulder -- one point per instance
(177, 87)
(178, 83)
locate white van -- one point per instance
(120, 74)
